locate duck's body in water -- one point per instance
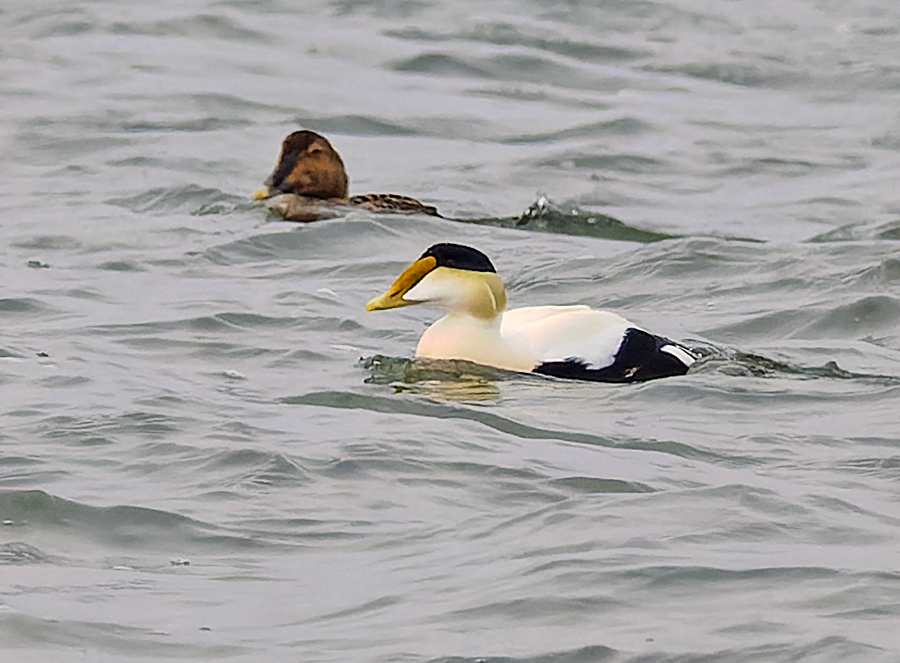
(573, 342)
(310, 183)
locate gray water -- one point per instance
(211, 452)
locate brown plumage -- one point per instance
(310, 183)
(392, 202)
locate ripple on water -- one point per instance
(105, 638)
(21, 306)
(195, 199)
(115, 527)
(194, 465)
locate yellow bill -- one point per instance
(262, 194)
(393, 296)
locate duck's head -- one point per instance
(308, 166)
(456, 277)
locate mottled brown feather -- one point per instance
(392, 202)
(310, 182)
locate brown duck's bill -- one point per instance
(393, 296)
(263, 193)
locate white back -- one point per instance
(558, 333)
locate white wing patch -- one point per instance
(560, 333)
(680, 354)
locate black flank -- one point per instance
(639, 358)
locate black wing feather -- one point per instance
(639, 358)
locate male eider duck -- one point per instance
(574, 342)
(310, 183)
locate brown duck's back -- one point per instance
(377, 202)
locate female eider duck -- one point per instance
(310, 183)
(574, 342)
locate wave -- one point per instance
(544, 216)
(438, 410)
(733, 362)
(128, 527)
(860, 232)
(106, 640)
(832, 648)
(197, 200)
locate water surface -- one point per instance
(211, 452)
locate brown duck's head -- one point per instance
(308, 166)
